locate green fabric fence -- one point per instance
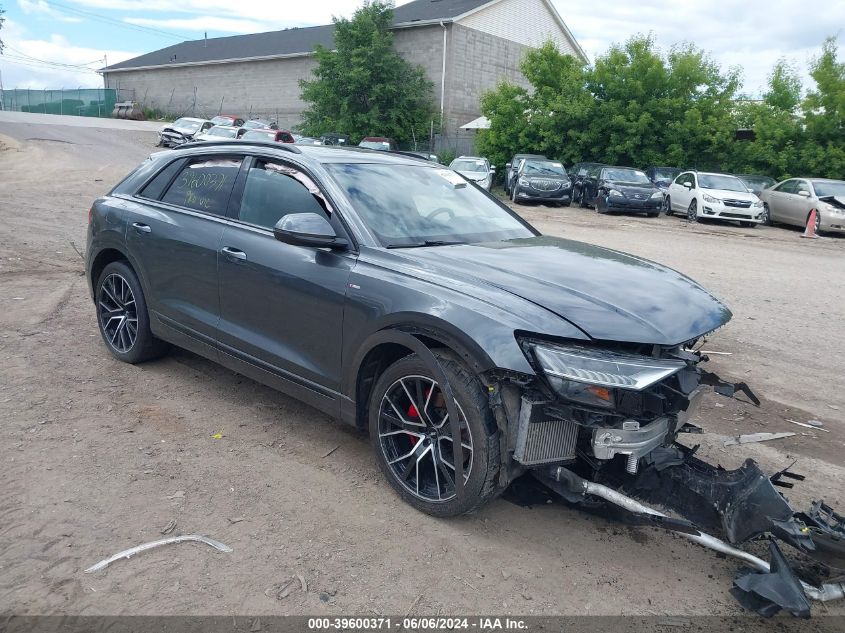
(95, 102)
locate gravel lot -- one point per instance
(99, 456)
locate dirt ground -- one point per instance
(99, 456)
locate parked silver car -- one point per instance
(791, 201)
(476, 169)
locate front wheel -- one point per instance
(410, 432)
(766, 216)
(122, 316)
(668, 205)
(513, 195)
(692, 211)
(748, 225)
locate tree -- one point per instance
(823, 153)
(364, 87)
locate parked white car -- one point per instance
(700, 195)
(476, 169)
(221, 133)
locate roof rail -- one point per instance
(286, 147)
(408, 154)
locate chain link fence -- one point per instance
(93, 102)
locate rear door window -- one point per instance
(274, 189)
(205, 184)
(787, 187)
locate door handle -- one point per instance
(141, 227)
(233, 254)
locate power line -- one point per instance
(13, 60)
(108, 20)
(21, 55)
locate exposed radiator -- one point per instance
(541, 440)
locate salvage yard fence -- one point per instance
(92, 102)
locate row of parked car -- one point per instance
(745, 198)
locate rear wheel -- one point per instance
(411, 435)
(122, 315)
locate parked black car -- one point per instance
(756, 183)
(611, 189)
(335, 138)
(513, 166)
(541, 180)
(577, 175)
(372, 285)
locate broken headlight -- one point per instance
(590, 375)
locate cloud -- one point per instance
(202, 23)
(748, 35)
(53, 62)
(44, 10)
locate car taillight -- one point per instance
(90, 215)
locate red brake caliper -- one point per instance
(413, 413)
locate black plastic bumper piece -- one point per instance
(768, 593)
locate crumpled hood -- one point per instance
(180, 130)
(609, 295)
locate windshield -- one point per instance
(726, 183)
(253, 123)
(462, 164)
(259, 135)
(543, 168)
(222, 120)
(757, 182)
(187, 124)
(410, 205)
(829, 188)
(374, 145)
(666, 173)
(222, 131)
(626, 175)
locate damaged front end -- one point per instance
(600, 426)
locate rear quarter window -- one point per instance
(155, 187)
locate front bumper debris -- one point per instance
(741, 504)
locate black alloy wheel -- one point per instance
(118, 313)
(122, 315)
(411, 434)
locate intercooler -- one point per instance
(543, 440)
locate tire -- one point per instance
(513, 195)
(653, 214)
(692, 212)
(582, 202)
(566, 204)
(767, 215)
(391, 441)
(122, 308)
(748, 225)
(669, 206)
(598, 205)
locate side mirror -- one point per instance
(688, 185)
(493, 169)
(803, 193)
(307, 229)
(507, 166)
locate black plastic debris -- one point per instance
(768, 593)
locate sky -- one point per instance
(58, 44)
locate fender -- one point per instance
(416, 325)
